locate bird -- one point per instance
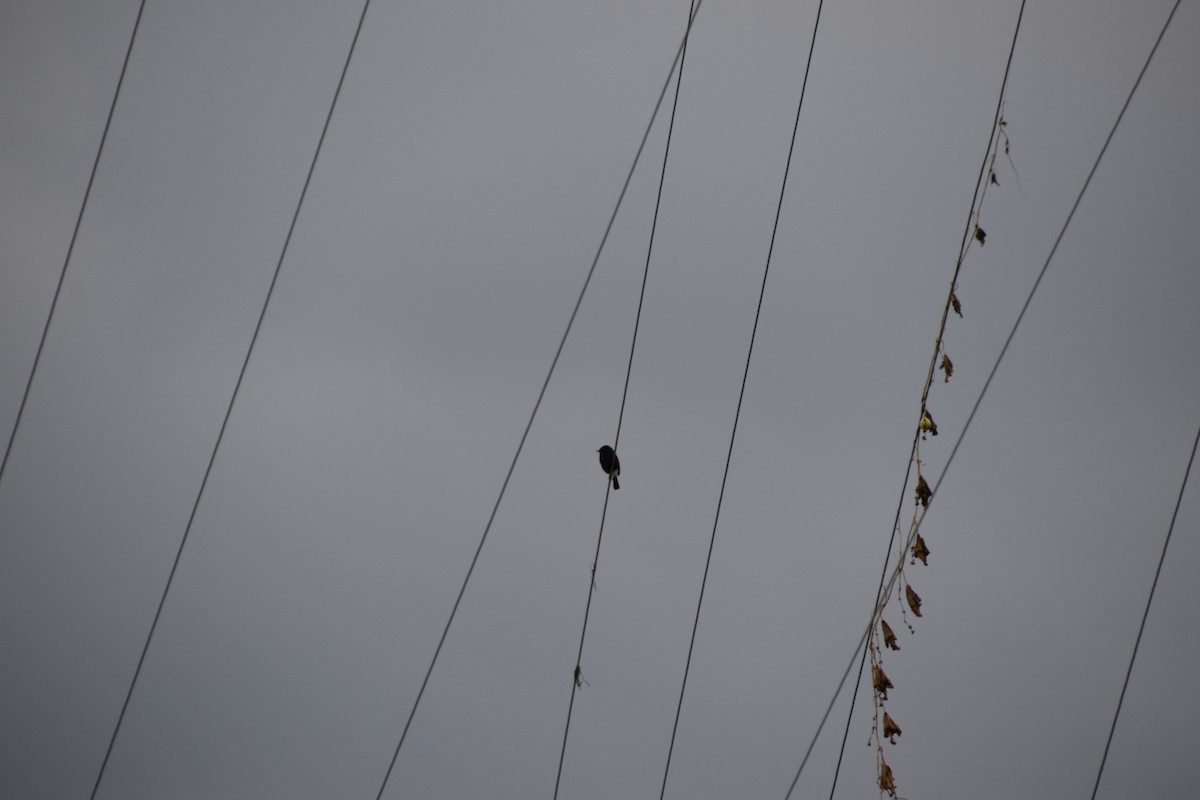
(610, 464)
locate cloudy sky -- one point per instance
(474, 157)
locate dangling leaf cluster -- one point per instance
(884, 725)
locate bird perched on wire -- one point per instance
(610, 464)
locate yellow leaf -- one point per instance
(927, 423)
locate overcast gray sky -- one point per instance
(475, 154)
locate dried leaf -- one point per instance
(957, 305)
(980, 235)
(889, 638)
(947, 367)
(880, 681)
(580, 682)
(914, 599)
(923, 491)
(919, 550)
(887, 782)
(890, 729)
(993, 179)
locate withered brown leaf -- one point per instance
(957, 305)
(914, 599)
(890, 729)
(980, 235)
(889, 638)
(880, 681)
(887, 782)
(923, 491)
(994, 181)
(947, 367)
(919, 550)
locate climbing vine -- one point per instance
(907, 601)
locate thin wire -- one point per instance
(537, 404)
(662, 178)
(1145, 614)
(232, 399)
(916, 528)
(577, 676)
(741, 394)
(87, 193)
(976, 199)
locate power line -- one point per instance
(976, 199)
(1142, 627)
(537, 403)
(1170, 529)
(87, 193)
(741, 395)
(662, 178)
(232, 399)
(987, 383)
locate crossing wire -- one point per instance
(1145, 614)
(229, 409)
(662, 178)
(62, 275)
(1167, 541)
(983, 392)
(964, 245)
(741, 395)
(538, 403)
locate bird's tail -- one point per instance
(616, 483)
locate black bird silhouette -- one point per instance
(610, 464)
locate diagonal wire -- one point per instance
(1145, 614)
(232, 399)
(741, 395)
(662, 178)
(87, 193)
(537, 404)
(912, 535)
(976, 199)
